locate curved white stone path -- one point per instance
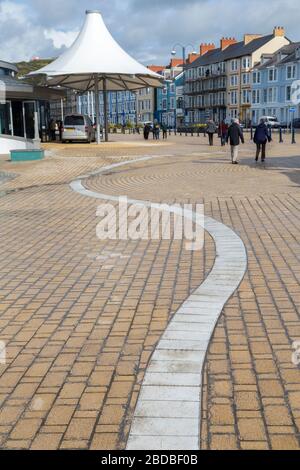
(168, 412)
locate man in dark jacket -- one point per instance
(261, 137)
(235, 136)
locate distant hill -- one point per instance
(27, 67)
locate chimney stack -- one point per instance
(192, 57)
(279, 31)
(204, 48)
(226, 42)
(250, 37)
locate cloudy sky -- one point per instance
(147, 29)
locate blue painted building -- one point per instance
(121, 107)
(273, 82)
(169, 98)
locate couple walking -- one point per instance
(261, 137)
(232, 134)
(211, 128)
(235, 137)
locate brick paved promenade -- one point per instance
(82, 317)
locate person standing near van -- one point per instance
(52, 128)
(261, 137)
(211, 129)
(235, 136)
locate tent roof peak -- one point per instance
(90, 12)
(95, 53)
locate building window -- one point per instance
(265, 95)
(246, 62)
(233, 96)
(291, 72)
(272, 95)
(234, 65)
(288, 93)
(234, 80)
(255, 96)
(256, 77)
(272, 75)
(246, 78)
(246, 97)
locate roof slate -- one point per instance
(289, 51)
(231, 52)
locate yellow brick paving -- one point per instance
(252, 389)
(81, 317)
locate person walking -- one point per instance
(211, 129)
(146, 131)
(235, 136)
(223, 131)
(156, 131)
(60, 129)
(261, 137)
(164, 131)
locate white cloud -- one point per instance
(147, 30)
(60, 38)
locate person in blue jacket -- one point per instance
(261, 137)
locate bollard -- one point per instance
(175, 131)
(280, 135)
(192, 133)
(293, 136)
(251, 130)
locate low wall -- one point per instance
(8, 143)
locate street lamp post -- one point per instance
(184, 49)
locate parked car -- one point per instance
(78, 127)
(271, 121)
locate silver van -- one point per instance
(271, 121)
(78, 127)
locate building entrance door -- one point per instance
(18, 119)
(29, 108)
(5, 122)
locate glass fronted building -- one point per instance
(19, 101)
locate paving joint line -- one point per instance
(149, 430)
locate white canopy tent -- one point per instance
(96, 62)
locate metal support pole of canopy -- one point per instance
(97, 109)
(105, 109)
